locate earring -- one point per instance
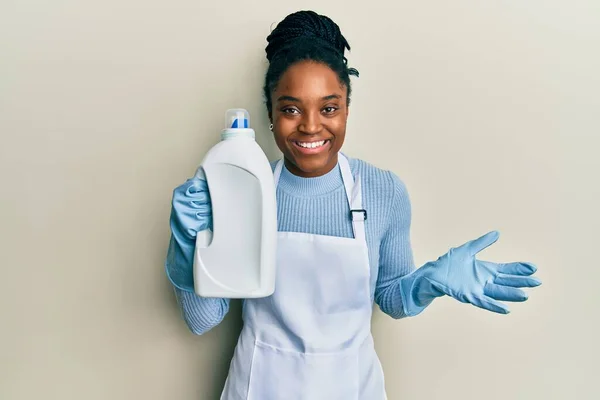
(271, 127)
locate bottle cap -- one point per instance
(237, 118)
(237, 124)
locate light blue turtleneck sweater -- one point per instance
(319, 206)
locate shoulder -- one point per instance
(378, 180)
(385, 193)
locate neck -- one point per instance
(307, 187)
(292, 168)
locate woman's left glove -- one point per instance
(460, 275)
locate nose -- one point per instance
(310, 123)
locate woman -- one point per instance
(343, 241)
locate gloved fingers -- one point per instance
(194, 192)
(200, 203)
(198, 190)
(205, 217)
(191, 189)
(517, 268)
(196, 185)
(192, 210)
(481, 243)
(504, 293)
(200, 209)
(200, 197)
(517, 281)
(487, 303)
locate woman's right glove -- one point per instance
(191, 213)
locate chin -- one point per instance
(311, 165)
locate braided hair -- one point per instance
(306, 35)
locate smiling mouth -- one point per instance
(311, 147)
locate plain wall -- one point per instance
(488, 111)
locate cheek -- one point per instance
(338, 127)
(284, 128)
(280, 136)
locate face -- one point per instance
(309, 118)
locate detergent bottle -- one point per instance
(236, 259)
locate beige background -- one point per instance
(484, 108)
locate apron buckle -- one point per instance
(362, 211)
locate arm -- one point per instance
(405, 291)
(191, 213)
(200, 314)
(395, 252)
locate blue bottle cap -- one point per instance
(237, 118)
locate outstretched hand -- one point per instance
(460, 275)
(484, 284)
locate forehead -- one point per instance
(308, 79)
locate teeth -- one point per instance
(311, 145)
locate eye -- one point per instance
(330, 110)
(289, 110)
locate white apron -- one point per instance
(311, 339)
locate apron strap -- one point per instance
(353, 193)
(277, 172)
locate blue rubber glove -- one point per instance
(460, 275)
(191, 213)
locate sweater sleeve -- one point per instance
(396, 257)
(201, 314)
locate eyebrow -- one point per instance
(297, 100)
(288, 98)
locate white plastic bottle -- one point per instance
(237, 258)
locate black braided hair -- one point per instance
(306, 35)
